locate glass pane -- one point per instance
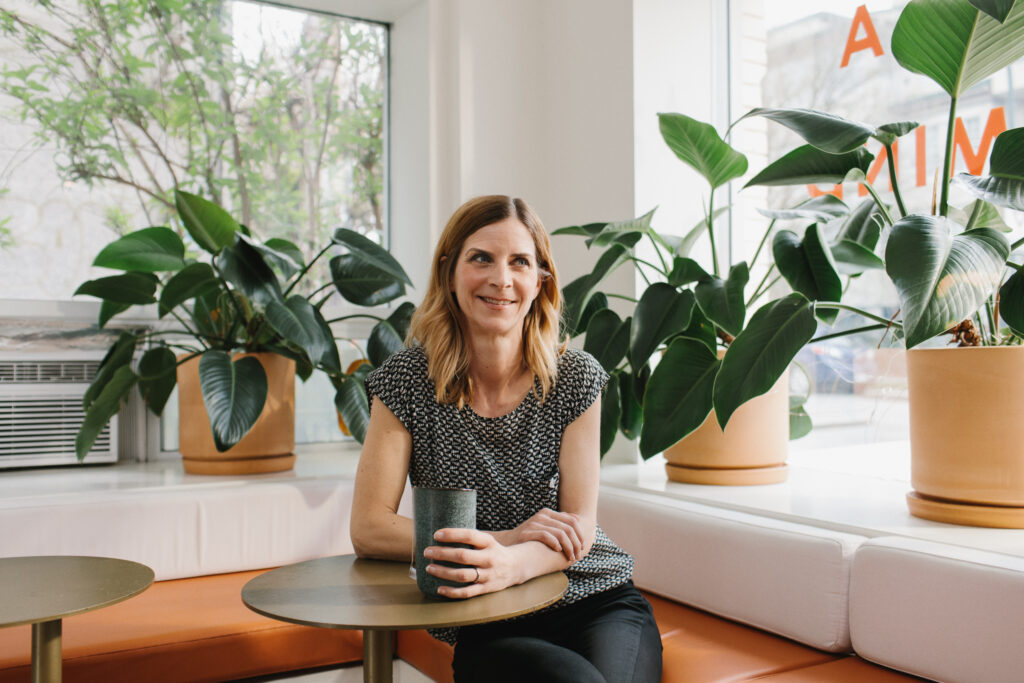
(839, 60)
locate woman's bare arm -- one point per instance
(377, 530)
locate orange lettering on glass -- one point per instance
(975, 161)
(861, 19)
(836, 191)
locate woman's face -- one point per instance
(497, 278)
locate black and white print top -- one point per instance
(511, 460)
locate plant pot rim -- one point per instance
(961, 349)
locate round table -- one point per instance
(379, 598)
(43, 590)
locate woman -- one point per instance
(488, 399)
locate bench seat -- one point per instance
(182, 631)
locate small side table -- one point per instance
(43, 590)
(379, 597)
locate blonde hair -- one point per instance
(436, 326)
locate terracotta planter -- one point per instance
(752, 449)
(967, 435)
(267, 447)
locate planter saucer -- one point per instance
(264, 465)
(742, 476)
(969, 514)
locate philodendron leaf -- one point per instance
(118, 355)
(598, 302)
(661, 312)
(955, 44)
(721, 301)
(127, 288)
(103, 409)
(630, 410)
(297, 321)
(607, 338)
(808, 267)
(701, 147)
(809, 165)
(1004, 186)
(678, 397)
(383, 341)
(611, 411)
(891, 132)
(762, 352)
(148, 250)
(997, 9)
(979, 214)
(818, 209)
(234, 393)
(577, 294)
(827, 132)
(626, 233)
(800, 424)
(287, 259)
(244, 267)
(1011, 302)
(350, 400)
(157, 377)
(588, 230)
(701, 329)
(685, 271)
(108, 309)
(363, 283)
(288, 249)
(401, 317)
(210, 226)
(863, 226)
(853, 259)
(940, 278)
(192, 281)
(369, 252)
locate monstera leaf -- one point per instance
(941, 278)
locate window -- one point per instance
(278, 114)
(838, 59)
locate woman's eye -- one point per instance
(480, 258)
(522, 262)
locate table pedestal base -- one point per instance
(46, 652)
(378, 653)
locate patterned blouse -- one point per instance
(511, 460)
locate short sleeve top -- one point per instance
(511, 460)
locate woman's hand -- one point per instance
(560, 531)
(492, 566)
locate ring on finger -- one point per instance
(477, 578)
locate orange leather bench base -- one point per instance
(182, 631)
(699, 648)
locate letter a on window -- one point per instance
(861, 19)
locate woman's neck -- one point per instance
(500, 376)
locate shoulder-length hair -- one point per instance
(436, 324)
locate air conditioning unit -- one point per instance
(41, 409)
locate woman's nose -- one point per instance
(502, 276)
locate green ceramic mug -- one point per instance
(433, 509)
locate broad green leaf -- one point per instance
(127, 288)
(678, 397)
(119, 354)
(289, 249)
(243, 266)
(588, 230)
(330, 359)
(819, 209)
(827, 132)
(157, 377)
(611, 411)
(283, 260)
(106, 405)
(350, 400)
(686, 270)
(630, 410)
(297, 321)
(607, 339)
(997, 9)
(362, 282)
(721, 301)
(401, 317)
(1011, 302)
(368, 252)
(234, 393)
(191, 281)
(597, 303)
(577, 293)
(808, 267)
(626, 233)
(210, 226)
(108, 309)
(890, 132)
(661, 312)
(984, 215)
(940, 278)
(863, 226)
(809, 165)
(700, 147)
(955, 44)
(701, 329)
(1004, 186)
(148, 250)
(800, 424)
(383, 341)
(853, 259)
(762, 352)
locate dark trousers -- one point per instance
(610, 637)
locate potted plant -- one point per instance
(240, 333)
(712, 358)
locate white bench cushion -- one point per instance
(783, 577)
(943, 612)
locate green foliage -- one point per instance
(241, 298)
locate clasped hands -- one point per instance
(491, 562)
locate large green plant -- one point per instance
(239, 297)
(950, 268)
